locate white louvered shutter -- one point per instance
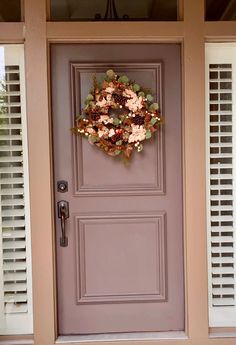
(221, 176)
(15, 250)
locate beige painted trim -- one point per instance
(39, 171)
(192, 32)
(110, 31)
(194, 164)
(11, 32)
(220, 31)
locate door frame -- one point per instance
(190, 172)
(37, 34)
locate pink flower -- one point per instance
(138, 133)
(134, 104)
(101, 103)
(109, 89)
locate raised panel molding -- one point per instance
(132, 270)
(149, 181)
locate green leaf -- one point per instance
(110, 73)
(93, 139)
(136, 87)
(154, 106)
(141, 94)
(153, 120)
(89, 97)
(124, 79)
(148, 134)
(116, 121)
(119, 142)
(117, 152)
(149, 97)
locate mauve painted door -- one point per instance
(122, 270)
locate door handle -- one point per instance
(63, 214)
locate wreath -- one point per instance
(118, 116)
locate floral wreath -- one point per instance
(118, 116)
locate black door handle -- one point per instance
(63, 214)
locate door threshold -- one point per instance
(171, 335)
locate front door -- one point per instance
(122, 270)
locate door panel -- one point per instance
(122, 270)
(135, 177)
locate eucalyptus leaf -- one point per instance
(117, 152)
(124, 79)
(149, 97)
(136, 87)
(116, 121)
(141, 94)
(153, 120)
(110, 73)
(93, 139)
(154, 106)
(89, 97)
(148, 134)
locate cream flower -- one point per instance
(129, 93)
(109, 89)
(103, 132)
(101, 103)
(134, 103)
(105, 119)
(138, 133)
(109, 98)
(111, 132)
(90, 130)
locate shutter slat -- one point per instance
(222, 250)
(223, 270)
(221, 187)
(16, 276)
(16, 308)
(223, 301)
(221, 260)
(13, 202)
(14, 298)
(11, 148)
(223, 291)
(10, 126)
(12, 180)
(13, 212)
(14, 245)
(10, 159)
(8, 287)
(12, 191)
(10, 137)
(13, 266)
(224, 281)
(13, 234)
(14, 255)
(221, 239)
(12, 169)
(13, 223)
(222, 197)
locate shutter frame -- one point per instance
(15, 264)
(221, 240)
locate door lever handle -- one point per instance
(63, 214)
